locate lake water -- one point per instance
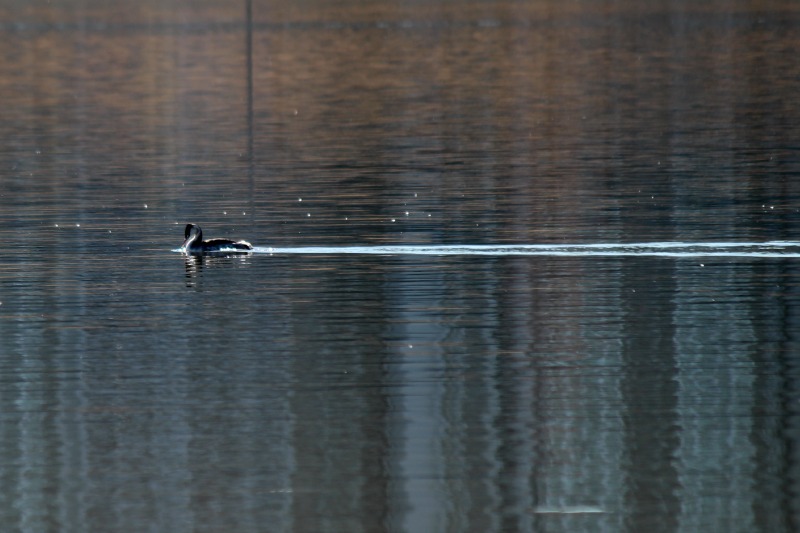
(519, 267)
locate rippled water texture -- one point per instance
(519, 266)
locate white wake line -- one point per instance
(771, 249)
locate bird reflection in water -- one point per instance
(196, 264)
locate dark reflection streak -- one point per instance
(538, 495)
(651, 441)
(248, 6)
(788, 423)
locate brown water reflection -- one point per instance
(143, 390)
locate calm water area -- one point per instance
(520, 266)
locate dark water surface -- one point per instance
(402, 388)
